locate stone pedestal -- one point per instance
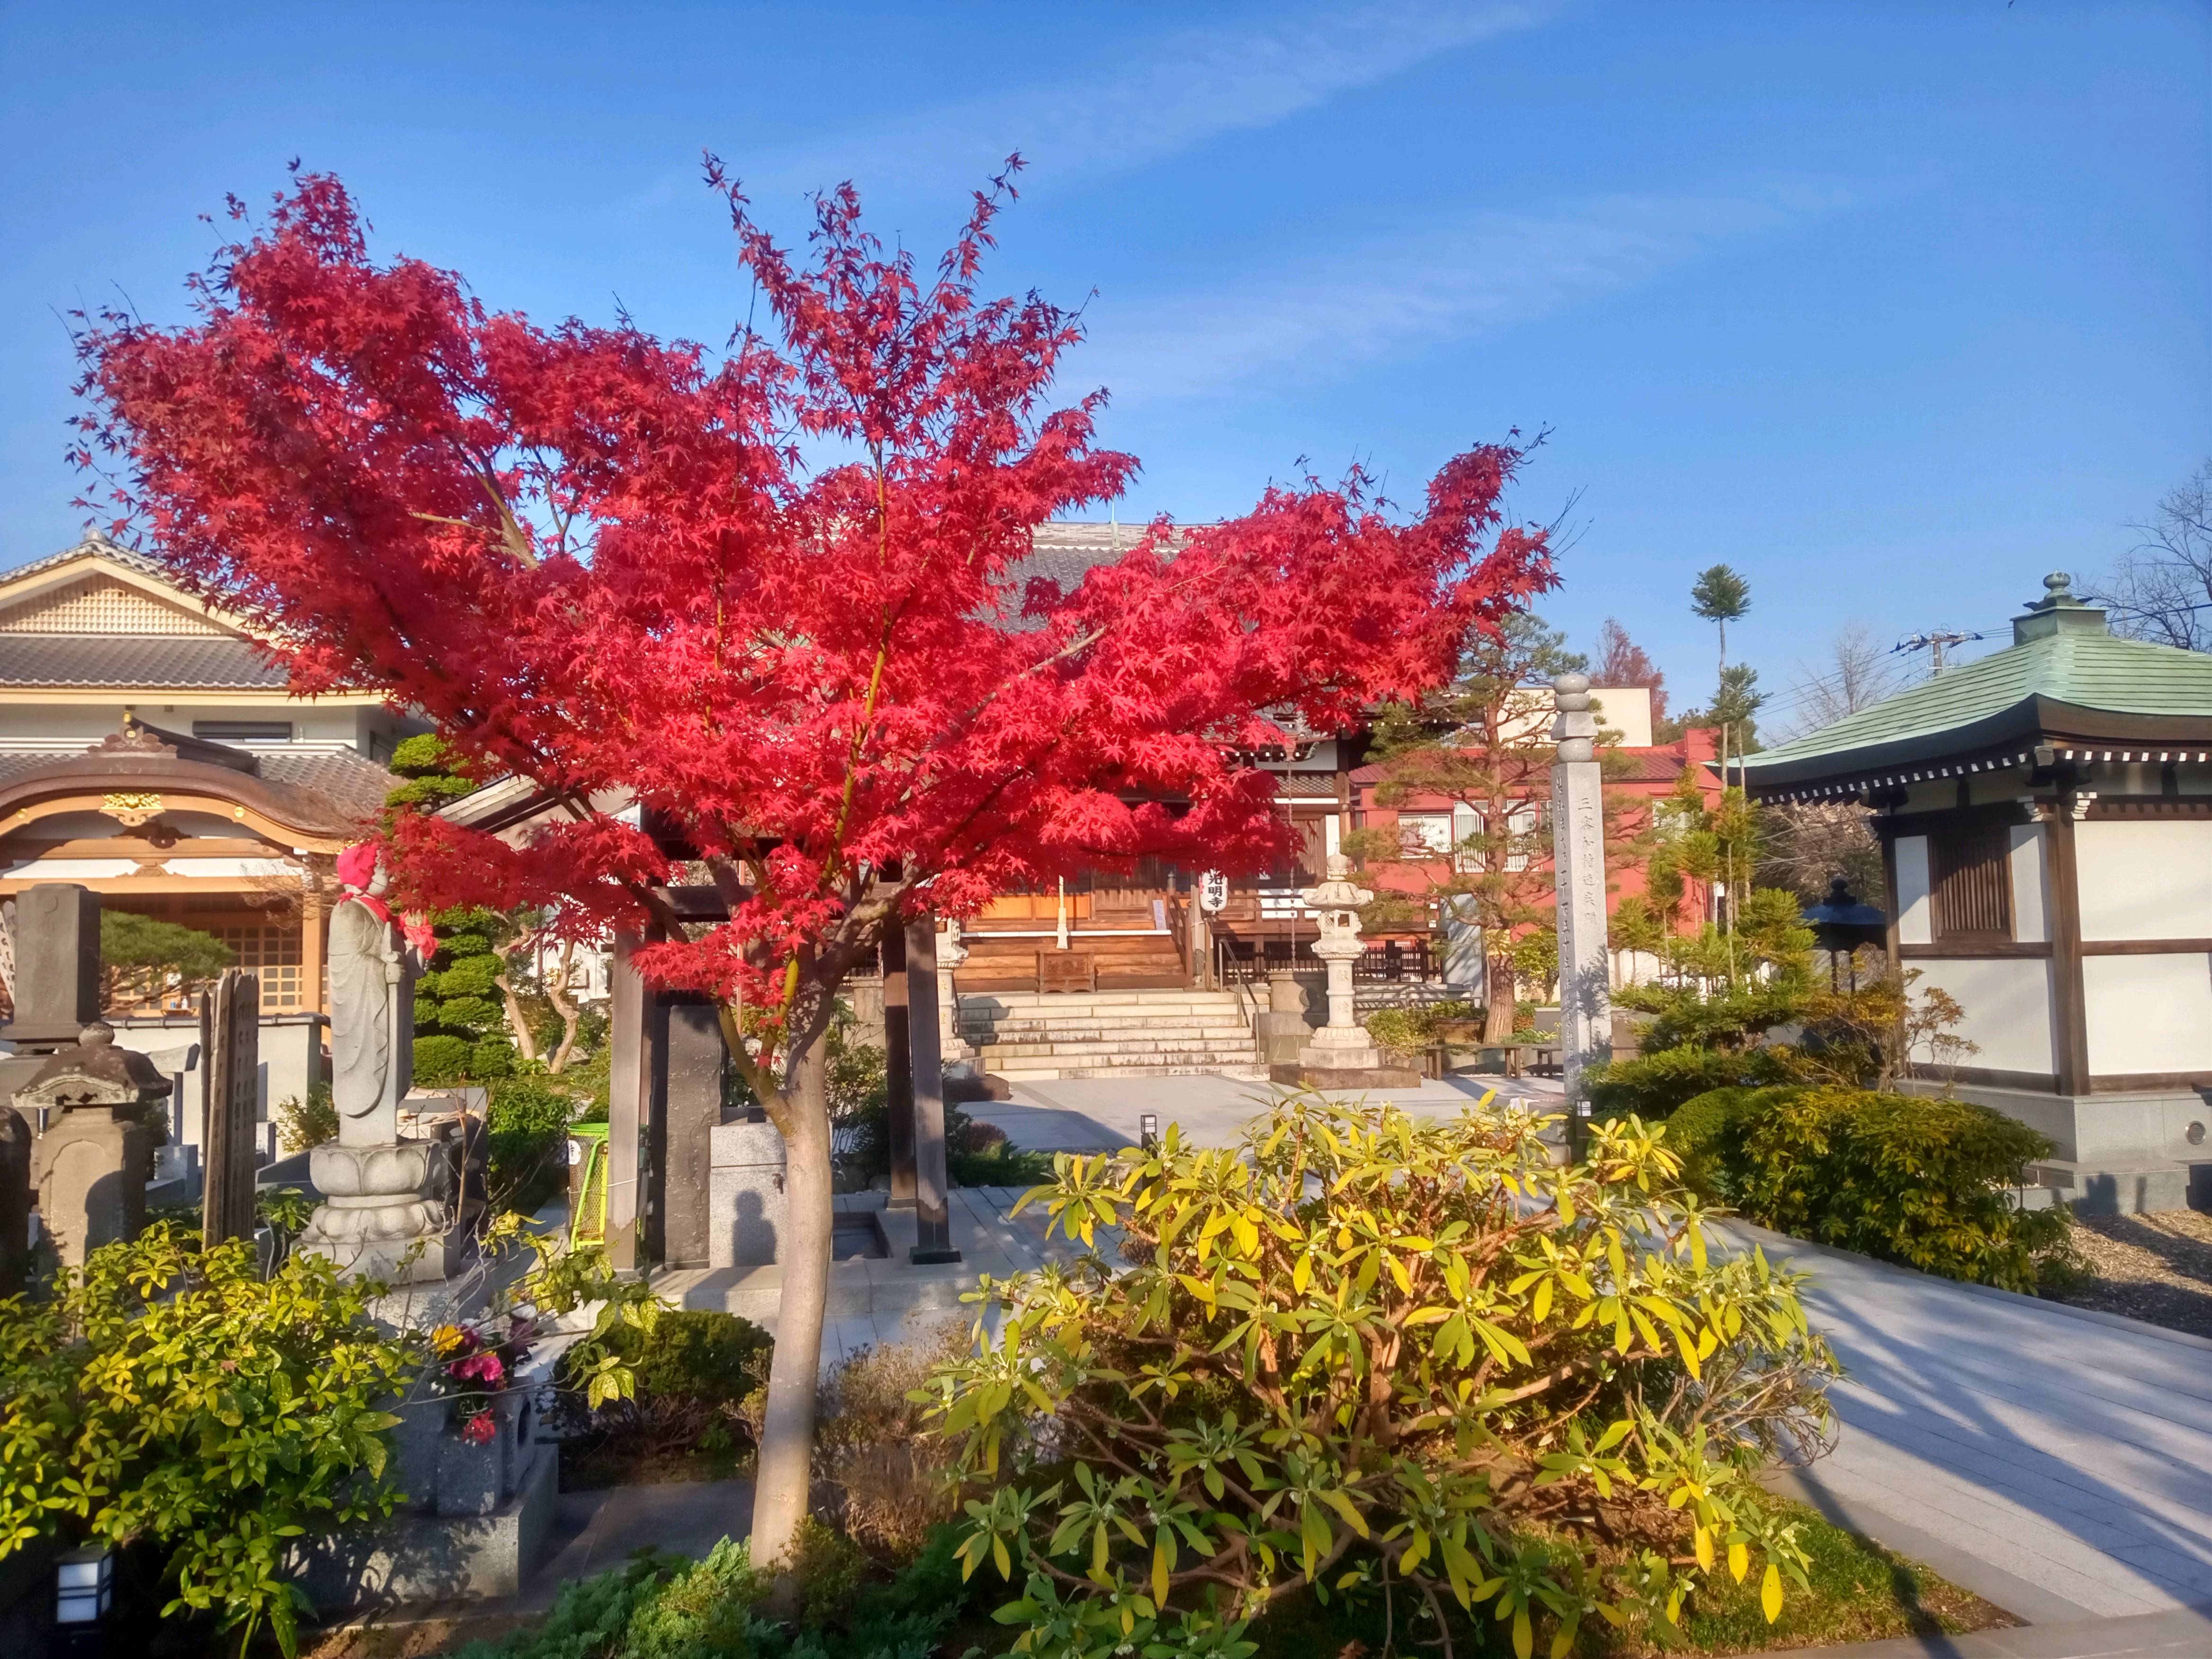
(1341, 1055)
(748, 1215)
(399, 1209)
(1578, 852)
(474, 1522)
(389, 1209)
(1282, 1028)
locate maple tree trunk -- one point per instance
(517, 1022)
(557, 992)
(785, 1465)
(1498, 1016)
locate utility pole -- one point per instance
(1934, 641)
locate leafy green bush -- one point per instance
(660, 1606)
(301, 1125)
(171, 1394)
(1652, 1085)
(1916, 1180)
(1357, 1327)
(696, 1353)
(526, 1129)
(440, 1059)
(1408, 1030)
(491, 1059)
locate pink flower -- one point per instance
(478, 1431)
(479, 1367)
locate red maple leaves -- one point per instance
(777, 596)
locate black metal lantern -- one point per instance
(1842, 926)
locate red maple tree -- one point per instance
(774, 595)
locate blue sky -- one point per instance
(1893, 307)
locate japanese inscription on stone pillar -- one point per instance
(1578, 853)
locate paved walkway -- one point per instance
(1101, 1114)
(2055, 1461)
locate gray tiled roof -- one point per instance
(130, 661)
(93, 542)
(345, 776)
(1063, 553)
(354, 785)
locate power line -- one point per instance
(1933, 641)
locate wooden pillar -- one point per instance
(898, 1056)
(630, 1107)
(932, 1199)
(2069, 1037)
(311, 949)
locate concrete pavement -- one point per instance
(1099, 1114)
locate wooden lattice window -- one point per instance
(1970, 870)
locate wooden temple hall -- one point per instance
(2045, 818)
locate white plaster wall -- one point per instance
(2007, 1007)
(2147, 879)
(2031, 889)
(2149, 1013)
(1914, 922)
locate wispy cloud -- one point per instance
(1459, 280)
(1167, 96)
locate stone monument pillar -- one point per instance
(91, 1162)
(1578, 854)
(392, 1209)
(233, 1023)
(932, 1196)
(959, 1054)
(898, 1062)
(55, 933)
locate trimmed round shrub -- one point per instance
(1652, 1085)
(494, 1057)
(469, 976)
(1921, 1182)
(440, 1059)
(696, 1353)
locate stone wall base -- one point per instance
(1339, 1078)
(429, 1558)
(2117, 1154)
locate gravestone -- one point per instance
(90, 1163)
(15, 1145)
(693, 1057)
(55, 939)
(233, 1023)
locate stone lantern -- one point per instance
(93, 1152)
(1341, 1055)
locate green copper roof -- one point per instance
(2061, 660)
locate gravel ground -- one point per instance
(2156, 1268)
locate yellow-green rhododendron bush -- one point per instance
(1366, 1348)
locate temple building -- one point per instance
(2045, 818)
(150, 751)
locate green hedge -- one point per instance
(1652, 1085)
(1915, 1181)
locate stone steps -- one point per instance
(1061, 1042)
(1029, 1025)
(1167, 1033)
